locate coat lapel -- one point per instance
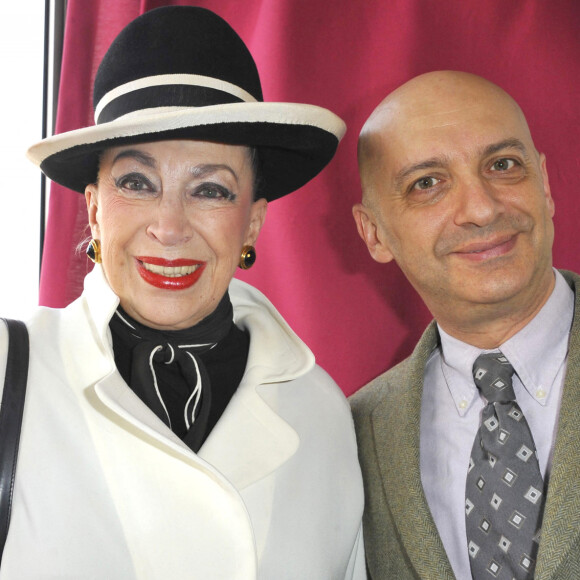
(123, 407)
(561, 525)
(396, 431)
(250, 441)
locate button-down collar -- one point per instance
(537, 351)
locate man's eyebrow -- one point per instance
(139, 156)
(201, 171)
(410, 169)
(512, 143)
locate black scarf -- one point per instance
(186, 377)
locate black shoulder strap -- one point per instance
(11, 417)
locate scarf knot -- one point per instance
(166, 371)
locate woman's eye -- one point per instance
(213, 191)
(503, 165)
(134, 182)
(425, 183)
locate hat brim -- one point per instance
(295, 141)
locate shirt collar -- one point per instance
(537, 351)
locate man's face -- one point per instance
(460, 199)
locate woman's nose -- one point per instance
(170, 226)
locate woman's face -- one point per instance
(172, 217)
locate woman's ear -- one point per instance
(91, 197)
(371, 233)
(257, 217)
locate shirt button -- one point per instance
(540, 393)
(462, 404)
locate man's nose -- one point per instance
(478, 202)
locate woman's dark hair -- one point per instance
(256, 165)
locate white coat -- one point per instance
(104, 490)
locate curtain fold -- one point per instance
(358, 317)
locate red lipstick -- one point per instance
(160, 279)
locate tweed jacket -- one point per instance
(400, 535)
(105, 491)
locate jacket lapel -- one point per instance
(250, 441)
(123, 407)
(561, 525)
(396, 430)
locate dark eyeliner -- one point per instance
(224, 192)
(136, 178)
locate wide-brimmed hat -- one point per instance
(182, 72)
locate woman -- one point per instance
(173, 428)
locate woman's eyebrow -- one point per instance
(201, 171)
(139, 156)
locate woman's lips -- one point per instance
(169, 274)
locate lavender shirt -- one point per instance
(451, 408)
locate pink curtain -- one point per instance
(358, 317)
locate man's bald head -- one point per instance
(455, 192)
(427, 100)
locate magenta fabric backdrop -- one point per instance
(358, 317)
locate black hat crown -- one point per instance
(166, 54)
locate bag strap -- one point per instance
(11, 417)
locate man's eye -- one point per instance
(425, 183)
(213, 191)
(503, 165)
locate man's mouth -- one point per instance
(488, 249)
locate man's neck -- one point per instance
(489, 326)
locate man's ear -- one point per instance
(546, 183)
(371, 233)
(91, 198)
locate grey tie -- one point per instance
(504, 494)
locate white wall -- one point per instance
(21, 62)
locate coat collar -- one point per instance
(395, 425)
(251, 440)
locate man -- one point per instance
(455, 192)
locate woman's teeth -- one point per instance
(170, 272)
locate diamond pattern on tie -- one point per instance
(504, 497)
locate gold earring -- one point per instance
(248, 257)
(94, 251)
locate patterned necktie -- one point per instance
(504, 494)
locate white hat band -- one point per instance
(171, 80)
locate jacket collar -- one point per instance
(250, 440)
(395, 424)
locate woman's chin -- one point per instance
(170, 315)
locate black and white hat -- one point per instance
(182, 72)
